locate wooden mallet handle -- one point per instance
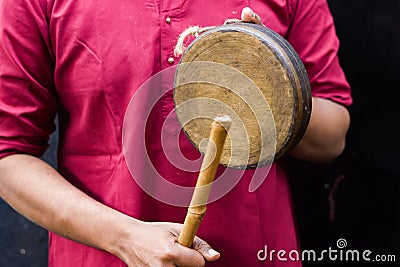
(197, 208)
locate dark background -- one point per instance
(356, 197)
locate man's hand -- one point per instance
(155, 244)
(248, 15)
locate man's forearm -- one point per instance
(41, 194)
(325, 137)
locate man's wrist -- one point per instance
(122, 237)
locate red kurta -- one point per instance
(85, 60)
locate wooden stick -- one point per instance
(197, 207)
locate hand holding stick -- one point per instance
(197, 207)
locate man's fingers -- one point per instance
(248, 15)
(188, 257)
(205, 249)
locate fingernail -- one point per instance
(212, 252)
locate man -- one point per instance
(85, 60)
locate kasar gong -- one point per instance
(255, 76)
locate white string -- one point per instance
(194, 31)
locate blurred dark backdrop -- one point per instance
(357, 197)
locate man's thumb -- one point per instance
(205, 249)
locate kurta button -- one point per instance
(171, 60)
(168, 20)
